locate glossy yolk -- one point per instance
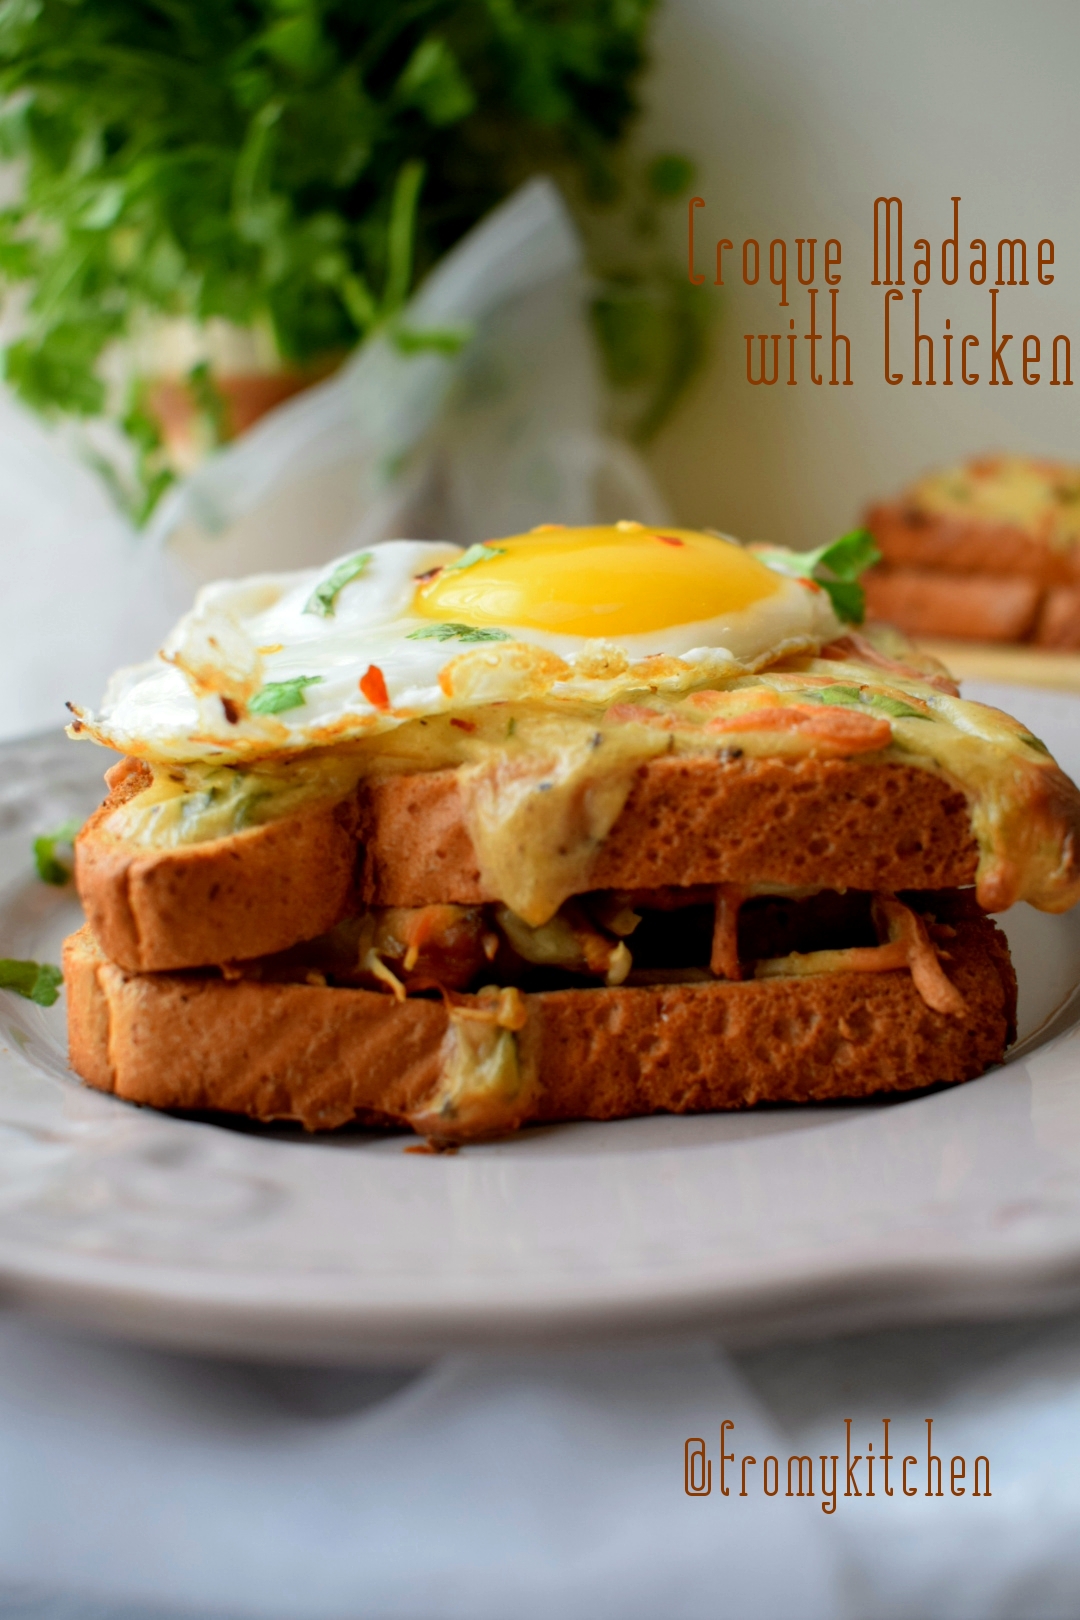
(624, 580)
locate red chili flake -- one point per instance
(373, 687)
(232, 712)
(671, 540)
(431, 573)
(464, 725)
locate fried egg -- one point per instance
(280, 663)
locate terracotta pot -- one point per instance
(245, 396)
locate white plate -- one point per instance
(959, 1202)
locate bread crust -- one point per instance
(247, 895)
(909, 538)
(325, 1057)
(688, 820)
(929, 601)
(1059, 619)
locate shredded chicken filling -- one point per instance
(727, 932)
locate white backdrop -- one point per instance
(800, 115)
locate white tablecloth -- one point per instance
(137, 1483)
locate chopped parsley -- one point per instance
(837, 694)
(475, 554)
(37, 981)
(50, 869)
(323, 598)
(458, 632)
(855, 697)
(277, 696)
(835, 567)
(1035, 742)
(894, 707)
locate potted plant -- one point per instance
(216, 201)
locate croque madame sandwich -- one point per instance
(988, 551)
(578, 824)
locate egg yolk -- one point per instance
(623, 580)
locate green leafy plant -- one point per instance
(292, 167)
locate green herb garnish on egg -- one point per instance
(278, 696)
(478, 553)
(458, 632)
(835, 567)
(323, 599)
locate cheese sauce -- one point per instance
(543, 783)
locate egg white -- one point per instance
(242, 635)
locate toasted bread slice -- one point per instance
(247, 895)
(1059, 619)
(911, 538)
(833, 823)
(973, 607)
(325, 1057)
(840, 823)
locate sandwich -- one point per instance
(577, 824)
(988, 551)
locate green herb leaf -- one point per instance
(401, 234)
(834, 567)
(458, 632)
(847, 557)
(1036, 743)
(278, 696)
(50, 869)
(848, 601)
(845, 695)
(478, 553)
(323, 598)
(433, 82)
(449, 340)
(858, 697)
(209, 402)
(895, 708)
(37, 981)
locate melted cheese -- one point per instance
(542, 784)
(1040, 497)
(192, 804)
(537, 820)
(485, 1087)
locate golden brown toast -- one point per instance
(972, 607)
(987, 552)
(402, 841)
(324, 1057)
(910, 538)
(256, 891)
